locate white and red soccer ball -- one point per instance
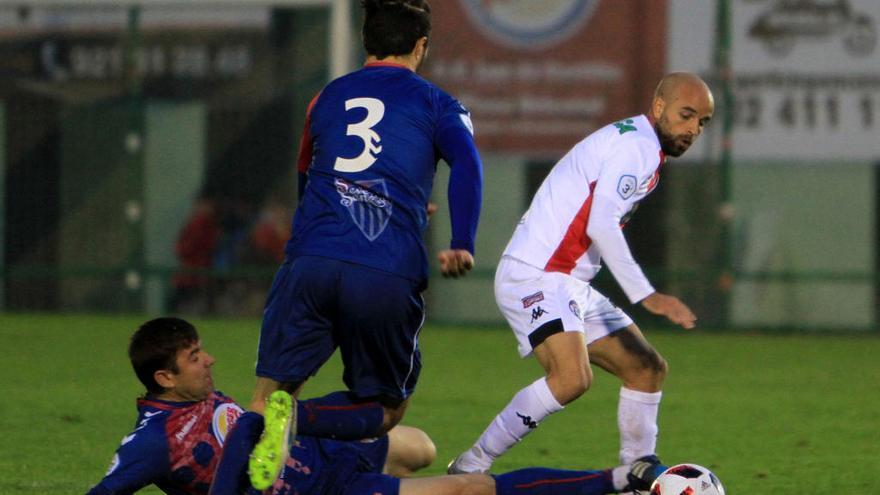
(687, 479)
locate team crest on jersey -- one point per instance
(225, 417)
(532, 299)
(529, 24)
(626, 186)
(367, 204)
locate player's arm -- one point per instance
(613, 197)
(141, 460)
(455, 141)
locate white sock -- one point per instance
(637, 421)
(618, 477)
(527, 409)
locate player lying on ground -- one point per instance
(321, 466)
(183, 422)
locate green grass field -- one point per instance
(771, 414)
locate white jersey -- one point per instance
(576, 216)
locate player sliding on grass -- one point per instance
(183, 422)
(356, 264)
(542, 284)
(182, 426)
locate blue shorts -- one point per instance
(320, 466)
(318, 304)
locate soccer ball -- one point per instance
(687, 479)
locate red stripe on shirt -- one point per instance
(304, 161)
(556, 481)
(656, 178)
(385, 64)
(575, 242)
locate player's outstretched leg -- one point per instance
(340, 416)
(270, 454)
(642, 472)
(540, 481)
(231, 478)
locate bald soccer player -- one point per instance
(542, 284)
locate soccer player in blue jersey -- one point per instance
(182, 426)
(356, 263)
(183, 422)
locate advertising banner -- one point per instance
(806, 73)
(539, 76)
(172, 49)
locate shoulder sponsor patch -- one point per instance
(466, 120)
(626, 186)
(225, 416)
(625, 126)
(532, 299)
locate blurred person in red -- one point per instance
(195, 248)
(270, 233)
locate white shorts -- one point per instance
(538, 304)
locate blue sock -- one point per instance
(544, 481)
(231, 476)
(339, 415)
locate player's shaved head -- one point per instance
(674, 83)
(682, 106)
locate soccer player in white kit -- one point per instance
(542, 284)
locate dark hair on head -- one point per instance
(392, 27)
(154, 347)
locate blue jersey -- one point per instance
(371, 146)
(175, 446)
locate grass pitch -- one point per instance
(770, 414)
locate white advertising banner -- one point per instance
(806, 73)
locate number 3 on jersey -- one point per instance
(364, 130)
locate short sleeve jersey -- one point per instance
(175, 445)
(617, 166)
(372, 141)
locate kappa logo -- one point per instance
(534, 298)
(626, 186)
(527, 421)
(537, 313)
